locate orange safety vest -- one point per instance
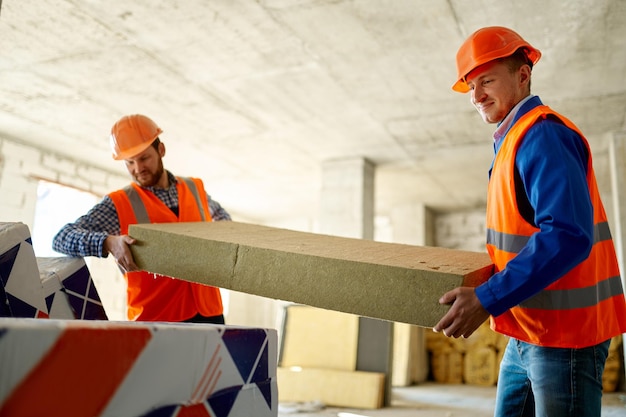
(584, 307)
(153, 297)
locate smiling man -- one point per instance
(155, 196)
(557, 289)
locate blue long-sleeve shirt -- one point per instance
(552, 166)
(86, 236)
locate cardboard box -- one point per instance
(336, 388)
(69, 290)
(387, 281)
(324, 345)
(22, 291)
(75, 368)
(317, 338)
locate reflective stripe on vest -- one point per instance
(141, 214)
(515, 243)
(575, 297)
(566, 298)
(196, 195)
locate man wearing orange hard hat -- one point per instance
(556, 290)
(155, 196)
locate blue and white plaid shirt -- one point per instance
(85, 237)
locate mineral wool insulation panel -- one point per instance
(387, 281)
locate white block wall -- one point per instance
(21, 168)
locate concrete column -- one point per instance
(347, 200)
(617, 162)
(412, 224)
(347, 210)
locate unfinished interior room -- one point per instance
(254, 208)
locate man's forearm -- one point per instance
(77, 242)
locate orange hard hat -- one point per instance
(485, 45)
(132, 135)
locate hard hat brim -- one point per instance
(131, 152)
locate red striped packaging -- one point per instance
(102, 368)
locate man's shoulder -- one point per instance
(123, 190)
(185, 177)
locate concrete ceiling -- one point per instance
(253, 96)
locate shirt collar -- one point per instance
(507, 122)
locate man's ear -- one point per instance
(161, 149)
(524, 74)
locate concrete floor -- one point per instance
(435, 400)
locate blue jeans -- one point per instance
(538, 381)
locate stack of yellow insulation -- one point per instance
(476, 360)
